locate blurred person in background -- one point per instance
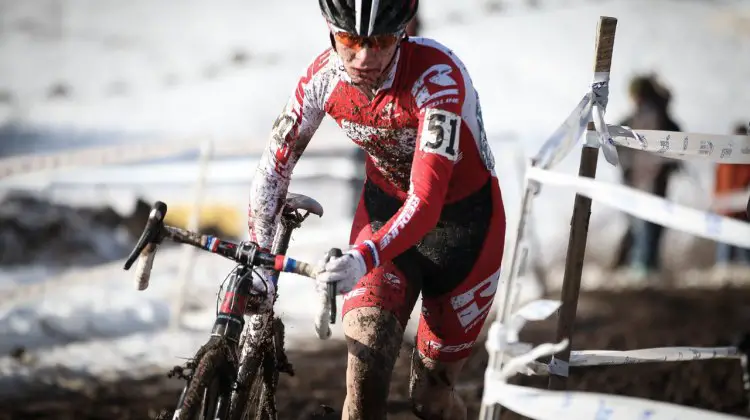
(731, 178)
(639, 247)
(430, 219)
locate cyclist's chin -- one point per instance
(364, 78)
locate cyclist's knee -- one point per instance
(431, 389)
(372, 333)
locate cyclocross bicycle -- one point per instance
(234, 375)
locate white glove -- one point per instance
(345, 271)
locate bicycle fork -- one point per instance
(226, 331)
(251, 353)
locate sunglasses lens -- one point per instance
(349, 40)
(384, 41)
(356, 42)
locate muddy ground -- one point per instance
(607, 320)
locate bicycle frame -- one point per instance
(254, 329)
(218, 360)
(230, 322)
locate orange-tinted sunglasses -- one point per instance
(357, 42)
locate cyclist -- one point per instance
(430, 217)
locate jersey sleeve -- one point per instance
(439, 95)
(290, 135)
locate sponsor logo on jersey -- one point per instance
(473, 305)
(450, 349)
(410, 207)
(392, 279)
(354, 293)
(436, 82)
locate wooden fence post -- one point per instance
(579, 225)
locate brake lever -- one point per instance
(333, 253)
(151, 233)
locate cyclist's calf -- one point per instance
(432, 390)
(373, 339)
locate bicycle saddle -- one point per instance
(303, 202)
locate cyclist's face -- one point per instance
(366, 58)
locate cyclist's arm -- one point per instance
(435, 154)
(290, 135)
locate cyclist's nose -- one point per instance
(365, 57)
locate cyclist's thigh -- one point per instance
(450, 322)
(387, 288)
(448, 327)
(393, 286)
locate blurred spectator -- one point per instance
(645, 171)
(729, 179)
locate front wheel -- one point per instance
(255, 398)
(206, 396)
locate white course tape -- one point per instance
(558, 405)
(502, 340)
(555, 405)
(630, 357)
(686, 146)
(600, 89)
(660, 354)
(107, 155)
(94, 156)
(652, 208)
(537, 310)
(564, 139)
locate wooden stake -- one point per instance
(579, 225)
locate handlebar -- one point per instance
(245, 253)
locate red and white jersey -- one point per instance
(422, 131)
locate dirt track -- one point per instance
(607, 320)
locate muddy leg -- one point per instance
(373, 338)
(432, 390)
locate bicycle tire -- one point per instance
(274, 362)
(264, 395)
(241, 405)
(255, 396)
(210, 383)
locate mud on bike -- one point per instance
(234, 375)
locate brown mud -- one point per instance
(621, 320)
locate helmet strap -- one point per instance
(333, 42)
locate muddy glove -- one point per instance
(345, 271)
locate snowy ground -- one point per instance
(96, 322)
(131, 73)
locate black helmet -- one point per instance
(369, 17)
